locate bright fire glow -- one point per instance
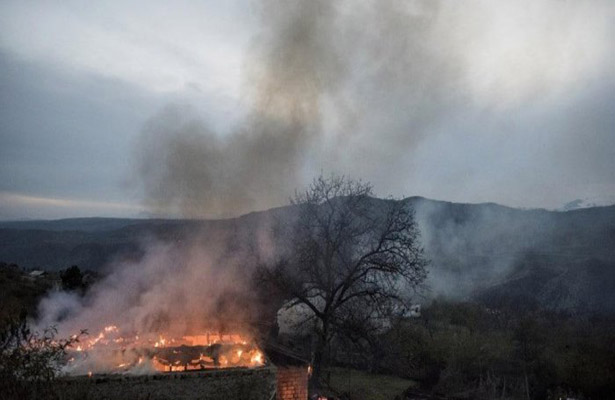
(111, 351)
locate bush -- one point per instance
(466, 349)
(29, 360)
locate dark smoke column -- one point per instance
(187, 169)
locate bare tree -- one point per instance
(351, 258)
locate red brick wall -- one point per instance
(292, 383)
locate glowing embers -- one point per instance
(187, 358)
(111, 352)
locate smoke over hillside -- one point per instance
(371, 90)
(520, 258)
(560, 260)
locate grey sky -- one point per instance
(512, 102)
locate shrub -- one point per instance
(29, 360)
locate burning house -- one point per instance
(112, 351)
(180, 321)
(177, 323)
(210, 365)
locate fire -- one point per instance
(113, 351)
(257, 358)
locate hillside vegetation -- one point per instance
(562, 261)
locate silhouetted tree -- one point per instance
(352, 259)
(72, 278)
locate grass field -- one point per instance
(360, 385)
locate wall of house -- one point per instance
(292, 383)
(242, 384)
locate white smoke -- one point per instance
(176, 289)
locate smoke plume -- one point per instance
(384, 90)
(173, 288)
(190, 286)
(191, 170)
(313, 72)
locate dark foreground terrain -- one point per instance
(453, 350)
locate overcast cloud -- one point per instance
(226, 107)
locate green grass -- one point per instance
(360, 385)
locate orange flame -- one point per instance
(209, 350)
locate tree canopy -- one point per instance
(351, 259)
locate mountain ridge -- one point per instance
(489, 252)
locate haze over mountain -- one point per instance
(503, 256)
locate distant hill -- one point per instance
(71, 224)
(498, 255)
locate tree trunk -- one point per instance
(319, 351)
